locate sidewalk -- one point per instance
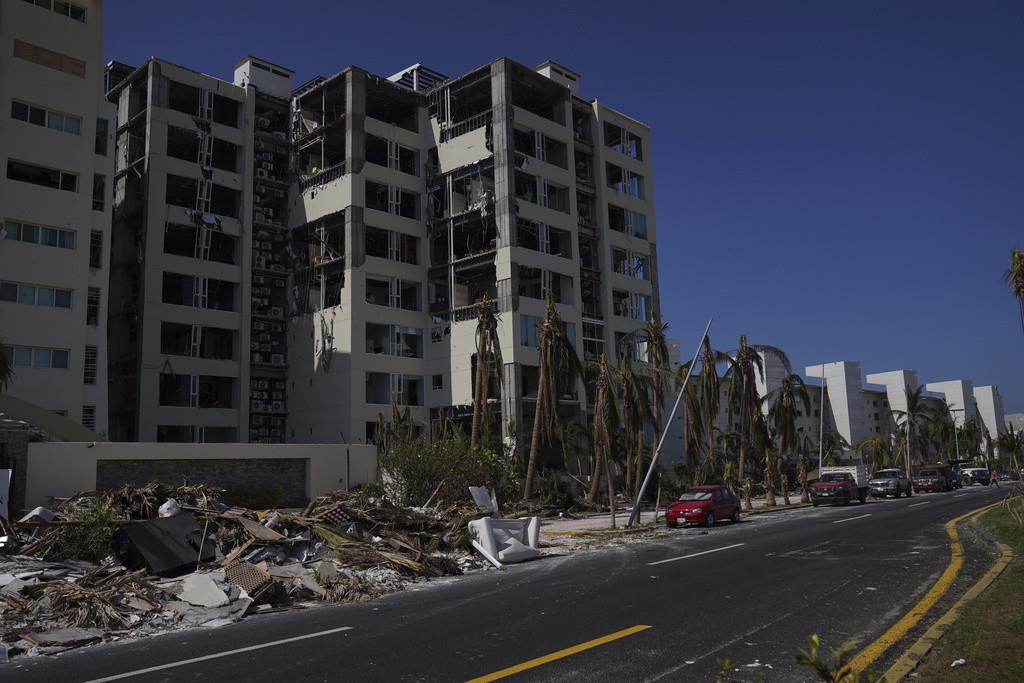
(566, 526)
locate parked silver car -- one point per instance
(891, 482)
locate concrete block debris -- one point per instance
(153, 566)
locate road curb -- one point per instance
(777, 508)
(897, 631)
(912, 657)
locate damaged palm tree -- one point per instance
(488, 365)
(559, 368)
(604, 412)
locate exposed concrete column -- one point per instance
(355, 157)
(504, 217)
(504, 170)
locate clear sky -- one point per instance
(842, 180)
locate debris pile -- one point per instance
(136, 561)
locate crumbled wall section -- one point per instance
(283, 478)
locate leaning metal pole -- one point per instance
(654, 461)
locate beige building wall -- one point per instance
(51, 73)
(64, 469)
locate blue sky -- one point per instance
(842, 180)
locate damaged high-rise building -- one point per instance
(289, 261)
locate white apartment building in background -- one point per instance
(56, 145)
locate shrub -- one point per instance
(415, 470)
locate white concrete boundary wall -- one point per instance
(63, 469)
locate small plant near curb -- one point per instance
(836, 671)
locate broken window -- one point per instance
(39, 175)
(222, 247)
(616, 218)
(225, 111)
(225, 156)
(523, 141)
(581, 125)
(526, 187)
(555, 152)
(182, 144)
(393, 292)
(588, 253)
(476, 282)
(613, 137)
(531, 282)
(538, 95)
(386, 103)
(377, 150)
(377, 242)
(224, 201)
(175, 339)
(634, 146)
(183, 98)
(615, 177)
(556, 197)
(584, 209)
(99, 191)
(378, 388)
(376, 196)
(182, 191)
(394, 340)
(96, 249)
(178, 289)
(408, 342)
(220, 295)
(593, 341)
(620, 303)
(620, 261)
(176, 390)
(528, 234)
(217, 343)
(584, 168)
(378, 338)
(528, 326)
(216, 392)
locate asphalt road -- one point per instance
(751, 592)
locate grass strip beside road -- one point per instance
(990, 632)
(559, 654)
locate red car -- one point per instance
(704, 505)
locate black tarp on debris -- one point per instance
(166, 547)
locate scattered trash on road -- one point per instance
(957, 662)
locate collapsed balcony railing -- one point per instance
(322, 177)
(462, 127)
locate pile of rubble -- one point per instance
(156, 558)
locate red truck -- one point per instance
(840, 485)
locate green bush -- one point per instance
(413, 468)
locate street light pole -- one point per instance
(635, 512)
(821, 421)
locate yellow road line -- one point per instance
(912, 657)
(539, 661)
(876, 649)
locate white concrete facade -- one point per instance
(843, 390)
(56, 152)
(989, 404)
(959, 395)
